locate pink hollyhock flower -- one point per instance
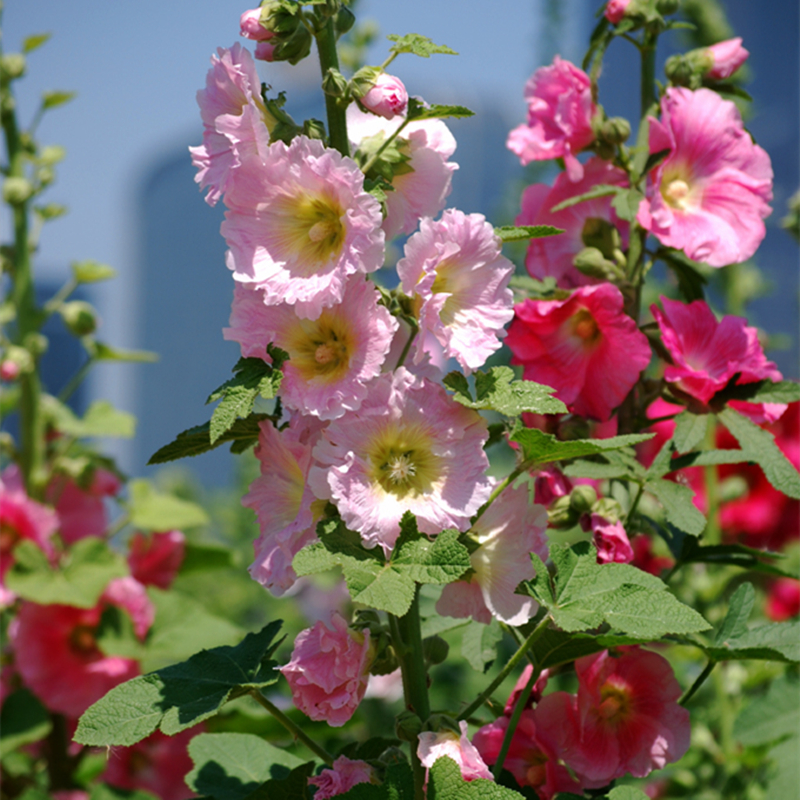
(644, 558)
(536, 693)
(234, 120)
(287, 510)
(459, 278)
(57, 653)
(329, 671)
(251, 28)
(331, 359)
(615, 10)
(783, 601)
(508, 532)
(727, 57)
(300, 223)
(536, 747)
(433, 746)
(585, 347)
(21, 518)
(410, 447)
(387, 98)
(553, 255)
(422, 188)
(388, 687)
(628, 718)
(342, 777)
(706, 355)
(155, 559)
(551, 483)
(709, 195)
(611, 541)
(265, 51)
(157, 764)
(82, 512)
(560, 111)
(9, 370)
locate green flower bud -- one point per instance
(12, 66)
(560, 515)
(345, 19)
(608, 508)
(615, 130)
(20, 357)
(79, 317)
(334, 83)
(590, 261)
(363, 80)
(314, 129)
(36, 344)
(293, 48)
(408, 726)
(582, 498)
(435, 650)
(667, 7)
(17, 190)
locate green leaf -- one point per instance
(763, 392)
(398, 784)
(676, 498)
(601, 190)
(775, 641)
(23, 720)
(521, 233)
(445, 783)
(770, 717)
(626, 204)
(91, 271)
(735, 554)
(620, 463)
(203, 557)
(759, 445)
(103, 352)
(418, 45)
(293, 787)
(100, 419)
(542, 448)
(417, 111)
(252, 377)
(79, 580)
(31, 43)
(498, 390)
(690, 430)
(786, 777)
(177, 697)
(55, 98)
(197, 440)
(229, 766)
(555, 647)
(627, 793)
(151, 510)
(739, 610)
(479, 644)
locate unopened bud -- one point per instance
(608, 508)
(387, 97)
(9, 371)
(408, 726)
(727, 57)
(265, 51)
(435, 650)
(36, 344)
(12, 66)
(560, 515)
(615, 130)
(293, 48)
(345, 19)
(17, 190)
(79, 317)
(251, 27)
(667, 7)
(334, 84)
(590, 261)
(16, 360)
(615, 10)
(582, 498)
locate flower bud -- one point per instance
(435, 650)
(387, 97)
(590, 261)
(17, 190)
(36, 344)
(12, 66)
(345, 19)
(251, 27)
(667, 7)
(560, 515)
(408, 726)
(615, 10)
(9, 370)
(582, 498)
(334, 84)
(608, 508)
(79, 317)
(727, 57)
(615, 130)
(293, 48)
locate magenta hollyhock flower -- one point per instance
(410, 447)
(155, 559)
(553, 255)
(287, 510)
(455, 270)
(536, 693)
(329, 671)
(727, 57)
(158, 764)
(387, 98)
(508, 532)
(615, 10)
(550, 484)
(21, 518)
(426, 180)
(82, 512)
(560, 111)
(611, 541)
(707, 353)
(57, 654)
(585, 347)
(536, 746)
(783, 599)
(234, 120)
(299, 223)
(331, 358)
(433, 746)
(341, 777)
(628, 718)
(709, 196)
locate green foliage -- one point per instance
(79, 580)
(585, 595)
(498, 390)
(23, 720)
(690, 431)
(374, 581)
(445, 783)
(177, 697)
(418, 111)
(252, 378)
(676, 499)
(100, 419)
(771, 717)
(601, 190)
(479, 644)
(150, 510)
(626, 203)
(763, 392)
(54, 99)
(31, 43)
(231, 766)
(102, 352)
(418, 45)
(521, 233)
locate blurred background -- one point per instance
(128, 179)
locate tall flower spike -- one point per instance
(299, 223)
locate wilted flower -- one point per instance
(341, 777)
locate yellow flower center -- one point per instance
(402, 462)
(585, 327)
(615, 703)
(678, 188)
(320, 349)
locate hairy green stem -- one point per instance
(328, 58)
(502, 486)
(389, 139)
(648, 78)
(290, 726)
(411, 337)
(519, 707)
(713, 533)
(701, 679)
(506, 671)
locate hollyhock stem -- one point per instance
(522, 702)
(507, 669)
(290, 726)
(337, 120)
(648, 54)
(701, 679)
(389, 139)
(501, 487)
(407, 640)
(712, 534)
(411, 337)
